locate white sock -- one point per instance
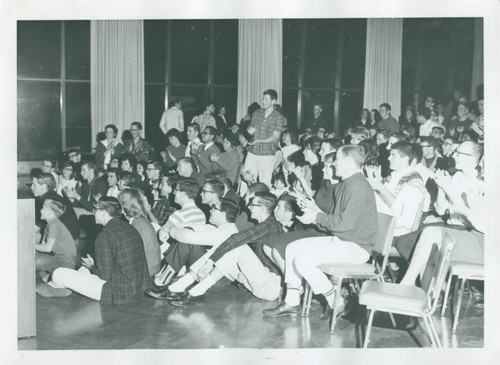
(292, 296)
(181, 284)
(202, 287)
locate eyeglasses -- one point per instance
(207, 191)
(254, 205)
(96, 209)
(425, 145)
(151, 169)
(462, 153)
(49, 166)
(214, 207)
(134, 129)
(176, 189)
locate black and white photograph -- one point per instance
(254, 182)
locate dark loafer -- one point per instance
(187, 300)
(158, 293)
(283, 310)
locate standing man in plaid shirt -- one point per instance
(265, 127)
(119, 273)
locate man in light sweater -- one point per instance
(173, 117)
(352, 224)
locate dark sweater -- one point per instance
(353, 215)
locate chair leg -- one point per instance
(336, 299)
(457, 311)
(446, 294)
(306, 300)
(393, 320)
(429, 332)
(434, 331)
(368, 328)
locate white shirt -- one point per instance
(196, 143)
(426, 128)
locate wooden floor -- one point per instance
(229, 318)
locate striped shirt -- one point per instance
(190, 214)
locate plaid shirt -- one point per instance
(204, 120)
(142, 149)
(256, 235)
(162, 210)
(264, 128)
(121, 261)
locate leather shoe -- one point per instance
(159, 293)
(328, 312)
(283, 310)
(187, 300)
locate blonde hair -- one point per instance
(133, 203)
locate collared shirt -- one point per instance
(204, 120)
(255, 235)
(142, 149)
(264, 128)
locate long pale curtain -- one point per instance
(116, 74)
(260, 49)
(478, 58)
(384, 41)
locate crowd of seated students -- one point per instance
(257, 203)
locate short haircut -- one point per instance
(195, 126)
(477, 150)
(113, 127)
(318, 104)
(335, 143)
(208, 103)
(53, 162)
(399, 136)
(232, 138)
(174, 101)
(290, 204)
(257, 188)
(425, 112)
(91, 166)
(230, 208)
(157, 165)
(129, 179)
(189, 161)
(132, 202)
(217, 186)
(137, 124)
(385, 105)
(111, 205)
(171, 179)
(465, 104)
(267, 199)
(56, 207)
(45, 179)
(404, 148)
(314, 141)
(385, 132)
(189, 186)
(409, 131)
(357, 153)
(73, 150)
(130, 158)
(360, 132)
(292, 134)
(430, 140)
(441, 128)
(272, 93)
(174, 133)
(210, 130)
(298, 158)
(116, 171)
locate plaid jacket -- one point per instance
(162, 210)
(256, 235)
(264, 128)
(143, 150)
(121, 261)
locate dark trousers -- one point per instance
(180, 254)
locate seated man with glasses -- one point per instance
(221, 227)
(178, 254)
(235, 260)
(460, 202)
(201, 155)
(138, 146)
(119, 273)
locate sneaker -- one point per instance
(48, 291)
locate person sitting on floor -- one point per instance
(187, 168)
(119, 273)
(351, 223)
(462, 196)
(221, 227)
(113, 176)
(185, 193)
(235, 259)
(163, 207)
(57, 248)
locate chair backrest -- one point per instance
(434, 276)
(383, 240)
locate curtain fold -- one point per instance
(384, 40)
(260, 50)
(116, 74)
(478, 58)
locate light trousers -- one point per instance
(243, 265)
(261, 167)
(303, 257)
(81, 281)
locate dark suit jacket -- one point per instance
(202, 159)
(120, 261)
